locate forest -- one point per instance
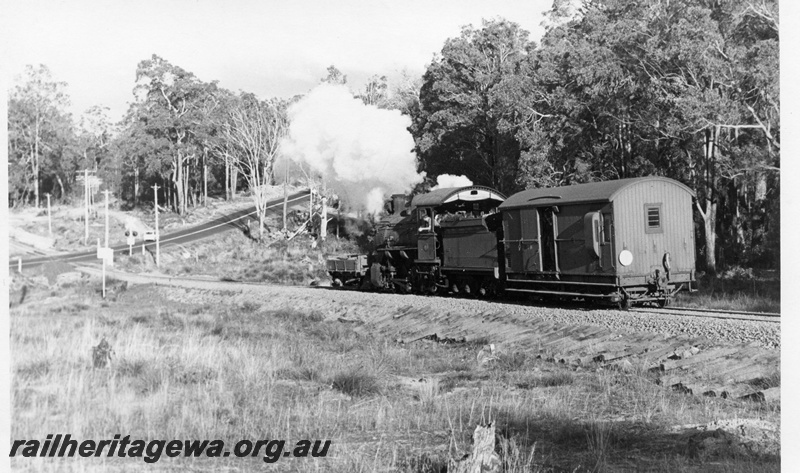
(614, 89)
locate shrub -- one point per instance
(355, 382)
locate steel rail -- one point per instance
(715, 314)
(737, 312)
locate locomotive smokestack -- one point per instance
(398, 203)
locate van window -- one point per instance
(653, 218)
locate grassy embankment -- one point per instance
(237, 370)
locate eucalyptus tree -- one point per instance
(679, 88)
(254, 130)
(404, 94)
(334, 76)
(172, 103)
(466, 120)
(38, 126)
(375, 91)
(141, 156)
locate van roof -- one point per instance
(604, 191)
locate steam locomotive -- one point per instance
(621, 242)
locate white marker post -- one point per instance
(19, 265)
(107, 255)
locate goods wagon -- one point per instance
(624, 241)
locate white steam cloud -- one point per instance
(443, 181)
(362, 152)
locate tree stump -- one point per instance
(482, 459)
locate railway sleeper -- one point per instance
(677, 363)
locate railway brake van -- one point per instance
(623, 242)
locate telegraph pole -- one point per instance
(158, 237)
(285, 196)
(323, 220)
(86, 206)
(310, 210)
(49, 218)
(104, 267)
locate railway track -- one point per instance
(679, 311)
(712, 313)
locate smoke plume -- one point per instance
(362, 152)
(443, 181)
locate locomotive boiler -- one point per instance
(619, 242)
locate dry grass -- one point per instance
(234, 256)
(736, 289)
(246, 371)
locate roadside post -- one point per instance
(107, 255)
(19, 265)
(100, 256)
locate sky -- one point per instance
(270, 48)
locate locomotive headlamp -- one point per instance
(625, 258)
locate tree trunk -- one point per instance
(710, 213)
(261, 212)
(227, 178)
(186, 189)
(285, 196)
(738, 219)
(61, 186)
(178, 181)
(136, 186)
(234, 180)
(709, 227)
